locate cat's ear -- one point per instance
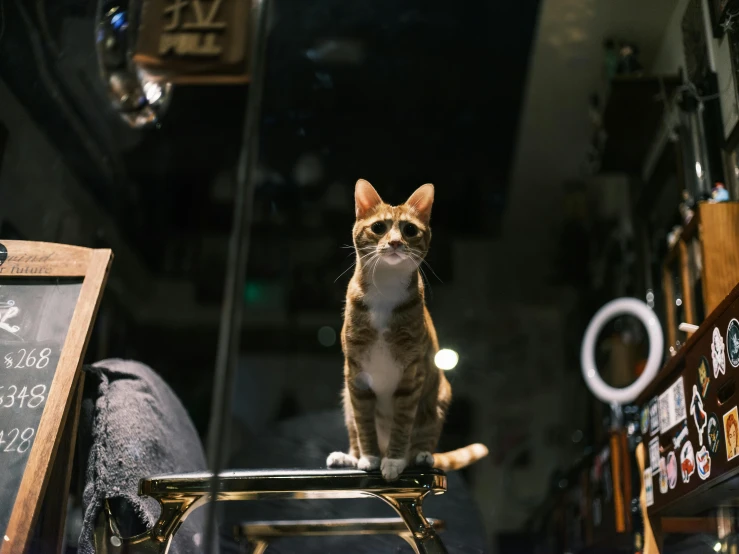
(421, 201)
(365, 198)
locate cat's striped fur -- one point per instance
(395, 398)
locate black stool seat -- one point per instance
(312, 484)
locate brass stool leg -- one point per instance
(258, 546)
(156, 540)
(423, 539)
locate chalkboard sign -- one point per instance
(49, 295)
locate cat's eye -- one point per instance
(410, 230)
(378, 227)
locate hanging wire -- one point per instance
(692, 89)
(728, 24)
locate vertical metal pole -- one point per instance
(238, 251)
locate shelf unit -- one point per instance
(702, 267)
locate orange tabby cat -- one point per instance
(395, 398)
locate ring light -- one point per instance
(621, 306)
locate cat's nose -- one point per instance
(395, 244)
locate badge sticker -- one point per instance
(687, 461)
(732, 342)
(662, 476)
(699, 415)
(703, 379)
(671, 470)
(654, 454)
(664, 411)
(678, 402)
(649, 486)
(654, 416)
(680, 437)
(717, 353)
(703, 461)
(645, 420)
(672, 406)
(731, 428)
(713, 433)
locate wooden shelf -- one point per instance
(688, 233)
(716, 228)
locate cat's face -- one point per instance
(392, 235)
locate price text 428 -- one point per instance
(16, 440)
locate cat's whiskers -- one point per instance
(423, 273)
(423, 261)
(352, 265)
(377, 261)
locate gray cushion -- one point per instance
(132, 425)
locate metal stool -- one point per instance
(179, 495)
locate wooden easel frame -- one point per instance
(47, 260)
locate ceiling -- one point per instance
(565, 68)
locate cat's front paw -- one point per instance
(368, 463)
(424, 459)
(340, 459)
(392, 468)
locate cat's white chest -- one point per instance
(384, 376)
(382, 368)
(380, 365)
(382, 301)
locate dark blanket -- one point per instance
(132, 426)
(304, 442)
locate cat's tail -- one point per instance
(462, 457)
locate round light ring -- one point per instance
(621, 306)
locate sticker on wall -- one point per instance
(717, 353)
(703, 461)
(731, 428)
(672, 406)
(671, 470)
(664, 411)
(654, 415)
(662, 476)
(732, 342)
(713, 434)
(680, 437)
(699, 415)
(654, 454)
(645, 420)
(649, 486)
(703, 379)
(678, 401)
(687, 461)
